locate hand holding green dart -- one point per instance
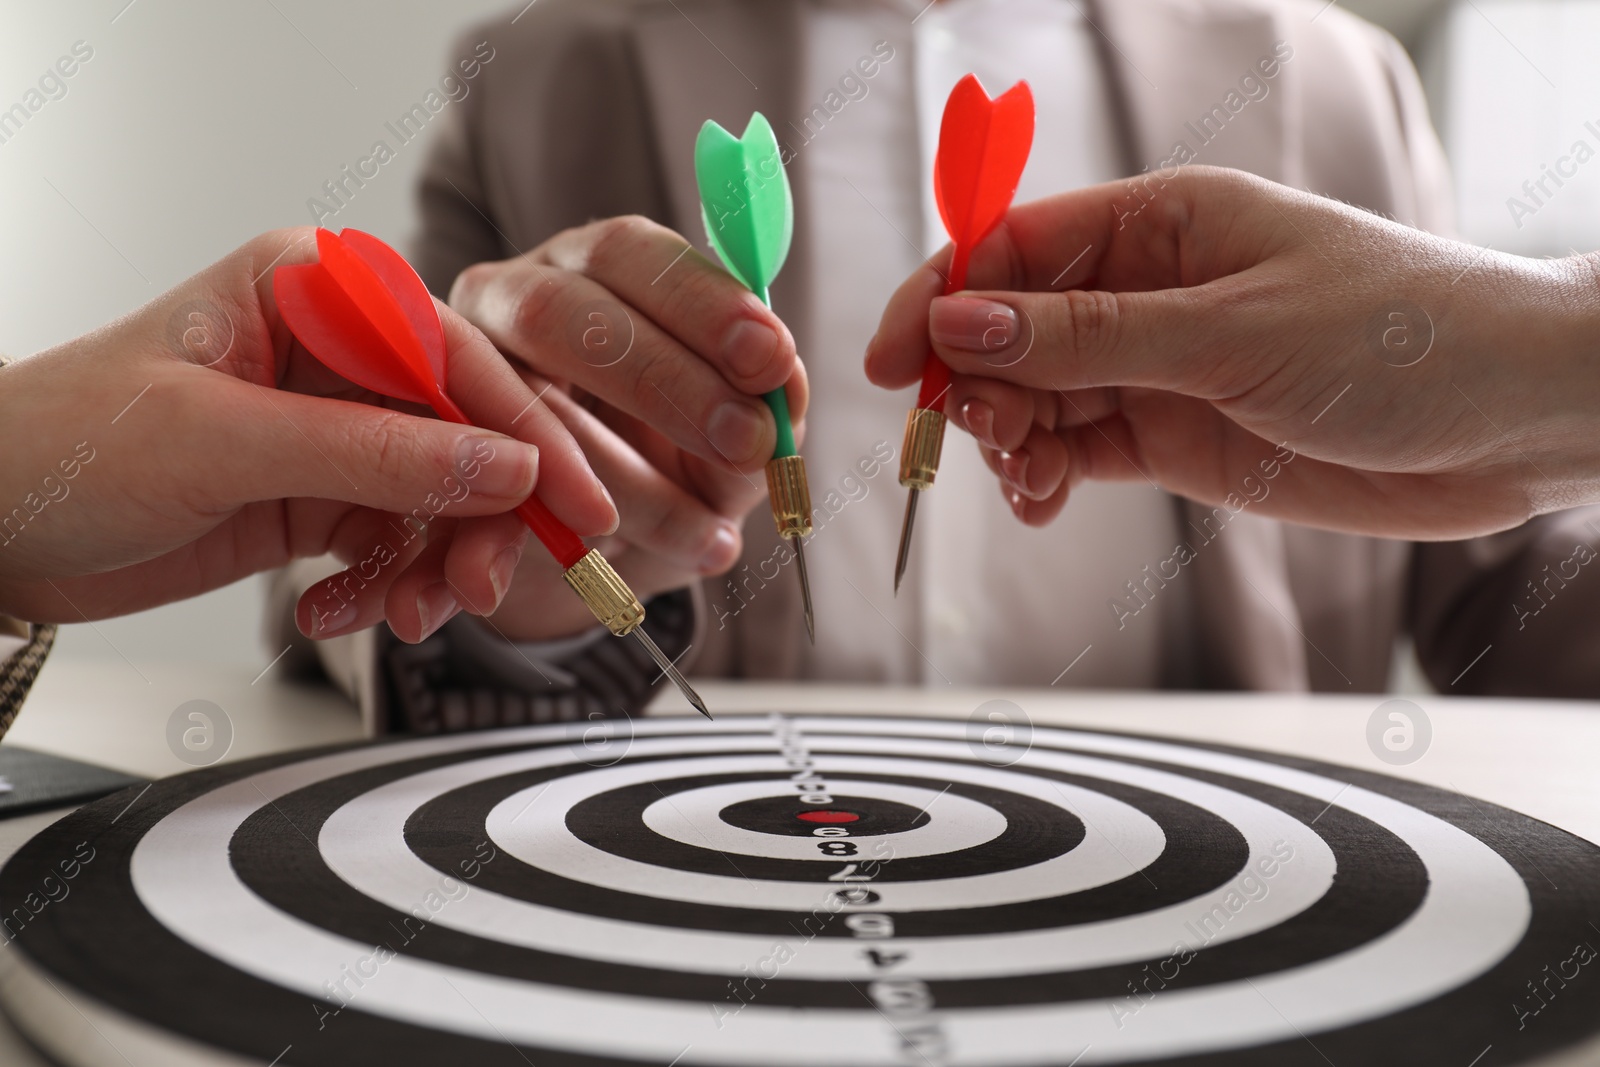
(749, 216)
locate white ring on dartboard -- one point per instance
(1119, 842)
(538, 834)
(690, 817)
(364, 842)
(1475, 911)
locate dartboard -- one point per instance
(794, 891)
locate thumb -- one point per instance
(271, 445)
(1185, 340)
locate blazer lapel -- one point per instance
(1176, 68)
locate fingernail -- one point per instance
(436, 605)
(749, 346)
(737, 429)
(971, 325)
(497, 466)
(979, 419)
(1015, 467)
(1017, 504)
(501, 570)
(326, 624)
(616, 514)
(720, 554)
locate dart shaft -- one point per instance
(935, 382)
(778, 404)
(556, 536)
(935, 375)
(567, 547)
(788, 490)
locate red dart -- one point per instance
(983, 147)
(366, 315)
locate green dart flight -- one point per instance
(749, 216)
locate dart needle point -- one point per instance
(670, 669)
(904, 557)
(805, 589)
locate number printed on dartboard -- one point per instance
(907, 1003)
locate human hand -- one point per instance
(1213, 323)
(656, 360)
(195, 442)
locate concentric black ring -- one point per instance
(1202, 853)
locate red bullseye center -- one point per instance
(828, 816)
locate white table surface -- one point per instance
(1537, 757)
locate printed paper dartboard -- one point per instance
(793, 891)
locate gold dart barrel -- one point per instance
(614, 604)
(919, 452)
(607, 595)
(919, 465)
(790, 494)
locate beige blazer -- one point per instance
(567, 125)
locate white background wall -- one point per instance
(194, 126)
(1513, 84)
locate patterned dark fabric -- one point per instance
(442, 687)
(18, 672)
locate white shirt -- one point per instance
(986, 600)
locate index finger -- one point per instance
(697, 303)
(496, 398)
(1156, 231)
(1024, 253)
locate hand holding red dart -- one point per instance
(983, 147)
(364, 312)
(201, 444)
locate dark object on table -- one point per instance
(38, 780)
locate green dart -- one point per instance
(749, 217)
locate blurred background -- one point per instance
(193, 126)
